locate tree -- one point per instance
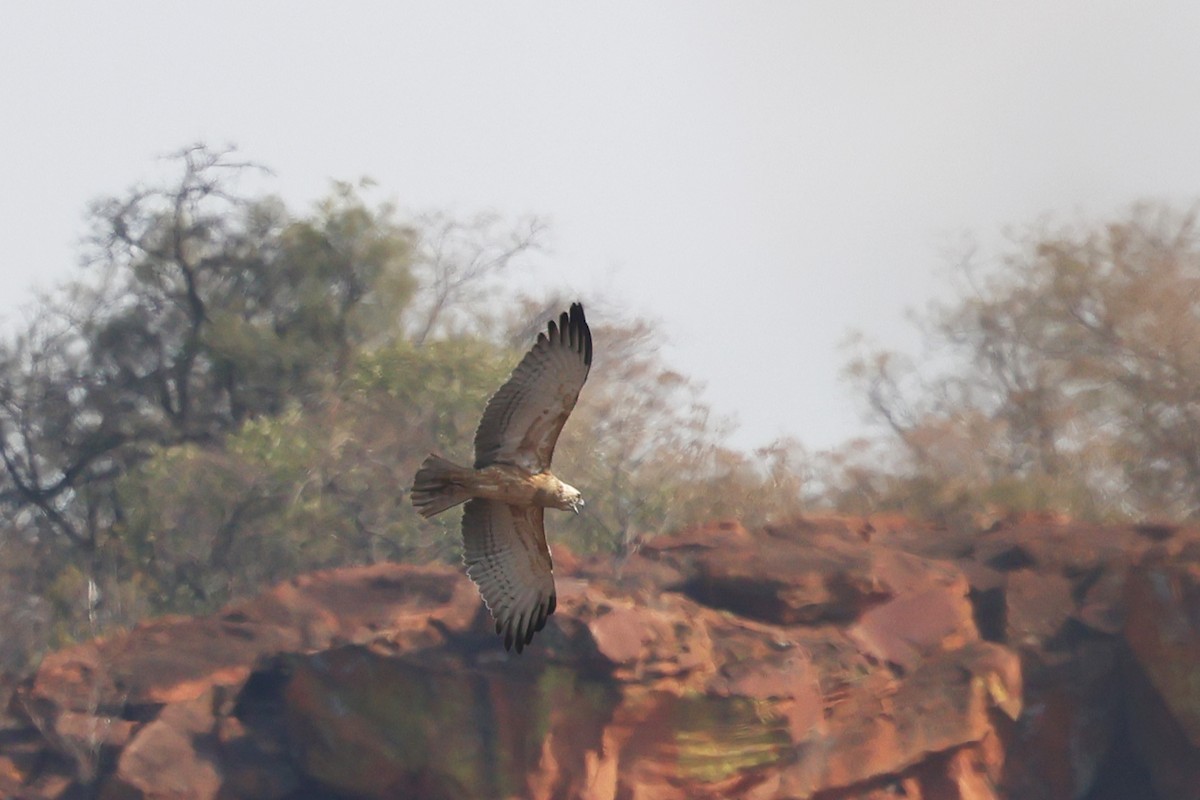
(200, 310)
(650, 454)
(1071, 372)
(455, 263)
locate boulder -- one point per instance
(174, 755)
(1162, 629)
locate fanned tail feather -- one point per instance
(438, 486)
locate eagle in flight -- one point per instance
(510, 485)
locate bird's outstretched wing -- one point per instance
(505, 551)
(522, 421)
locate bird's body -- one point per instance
(510, 485)
(504, 483)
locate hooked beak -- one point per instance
(578, 504)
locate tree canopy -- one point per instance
(1066, 376)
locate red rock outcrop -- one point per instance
(1163, 632)
(829, 658)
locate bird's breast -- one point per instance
(516, 486)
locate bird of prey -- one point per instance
(510, 485)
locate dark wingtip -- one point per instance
(518, 631)
(580, 331)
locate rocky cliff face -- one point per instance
(828, 658)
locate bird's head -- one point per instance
(571, 499)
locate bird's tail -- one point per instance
(439, 486)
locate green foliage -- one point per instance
(316, 486)
(439, 388)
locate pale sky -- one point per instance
(759, 177)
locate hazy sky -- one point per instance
(760, 177)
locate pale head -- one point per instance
(569, 498)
